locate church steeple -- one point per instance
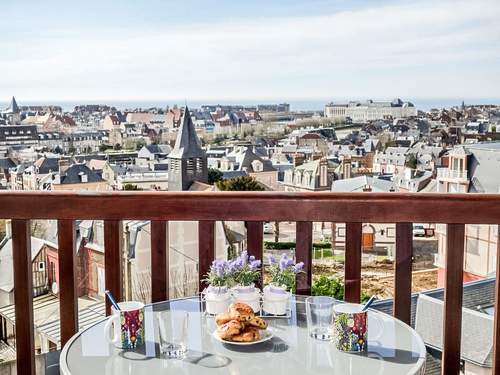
(188, 161)
(13, 107)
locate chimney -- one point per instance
(298, 160)
(346, 167)
(63, 166)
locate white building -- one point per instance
(370, 110)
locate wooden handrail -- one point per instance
(254, 208)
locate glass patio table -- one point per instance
(393, 348)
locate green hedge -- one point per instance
(322, 245)
(271, 245)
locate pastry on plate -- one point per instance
(221, 319)
(241, 311)
(230, 329)
(257, 322)
(248, 334)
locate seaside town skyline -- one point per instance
(223, 171)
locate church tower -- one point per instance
(187, 162)
(12, 113)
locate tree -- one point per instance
(214, 175)
(103, 147)
(140, 144)
(411, 161)
(242, 183)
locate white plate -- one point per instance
(265, 335)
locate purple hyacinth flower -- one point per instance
(219, 271)
(283, 264)
(298, 267)
(251, 258)
(255, 264)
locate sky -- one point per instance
(273, 50)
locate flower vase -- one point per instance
(275, 300)
(217, 299)
(248, 294)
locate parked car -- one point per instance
(268, 228)
(419, 230)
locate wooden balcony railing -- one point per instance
(304, 208)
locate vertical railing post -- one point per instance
(68, 297)
(206, 249)
(303, 253)
(23, 296)
(496, 324)
(453, 294)
(159, 261)
(352, 286)
(113, 239)
(255, 242)
(403, 275)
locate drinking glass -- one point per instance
(319, 312)
(173, 330)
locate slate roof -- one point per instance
(73, 175)
(46, 165)
(187, 144)
(476, 293)
(158, 149)
(47, 319)
(483, 167)
(311, 166)
(121, 169)
(87, 317)
(6, 163)
(357, 184)
(475, 347)
(249, 156)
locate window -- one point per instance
(341, 232)
(472, 246)
(41, 266)
(391, 232)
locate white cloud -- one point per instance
(427, 48)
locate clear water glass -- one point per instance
(319, 313)
(173, 331)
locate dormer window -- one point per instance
(257, 166)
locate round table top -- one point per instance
(393, 348)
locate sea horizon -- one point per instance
(318, 105)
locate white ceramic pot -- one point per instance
(275, 301)
(217, 299)
(249, 295)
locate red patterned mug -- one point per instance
(125, 327)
